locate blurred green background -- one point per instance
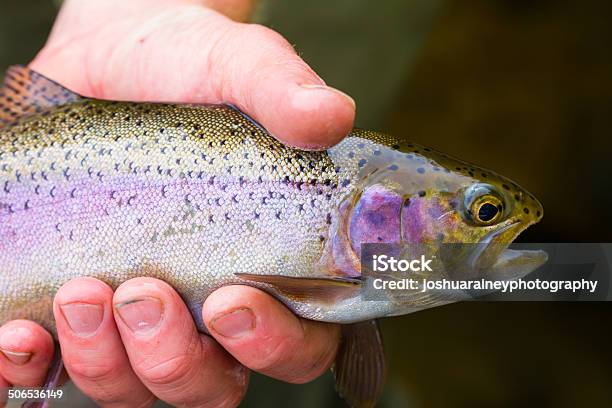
(523, 87)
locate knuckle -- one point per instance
(171, 371)
(98, 373)
(276, 354)
(256, 33)
(176, 369)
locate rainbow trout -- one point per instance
(201, 197)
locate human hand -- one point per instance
(180, 51)
(140, 343)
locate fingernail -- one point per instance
(11, 340)
(141, 315)
(329, 88)
(16, 357)
(234, 324)
(83, 318)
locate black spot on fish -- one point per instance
(538, 213)
(422, 193)
(393, 167)
(361, 163)
(526, 210)
(420, 170)
(506, 187)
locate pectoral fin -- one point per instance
(322, 289)
(26, 92)
(360, 368)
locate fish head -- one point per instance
(419, 196)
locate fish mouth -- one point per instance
(495, 261)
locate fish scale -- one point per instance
(108, 202)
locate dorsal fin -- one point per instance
(26, 92)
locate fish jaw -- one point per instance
(514, 264)
(501, 263)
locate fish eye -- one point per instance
(483, 205)
(487, 210)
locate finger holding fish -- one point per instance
(175, 362)
(26, 350)
(267, 337)
(92, 350)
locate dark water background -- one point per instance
(523, 87)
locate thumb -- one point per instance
(264, 77)
(192, 54)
